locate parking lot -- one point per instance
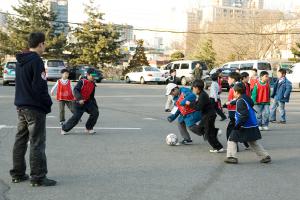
(128, 159)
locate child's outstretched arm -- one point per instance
(54, 89)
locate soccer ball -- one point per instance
(171, 139)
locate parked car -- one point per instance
(224, 80)
(53, 69)
(146, 74)
(9, 72)
(184, 70)
(78, 72)
(247, 65)
(293, 75)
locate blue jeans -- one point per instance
(281, 106)
(263, 114)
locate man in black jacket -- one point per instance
(204, 105)
(33, 104)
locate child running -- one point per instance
(63, 92)
(245, 129)
(215, 97)
(84, 93)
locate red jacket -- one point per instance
(64, 91)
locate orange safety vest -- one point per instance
(64, 91)
(186, 109)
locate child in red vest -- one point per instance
(64, 96)
(261, 98)
(84, 93)
(245, 81)
(253, 79)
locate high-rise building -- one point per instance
(60, 9)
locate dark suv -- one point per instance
(79, 71)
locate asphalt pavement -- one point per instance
(128, 159)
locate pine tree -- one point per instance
(177, 55)
(31, 16)
(296, 51)
(206, 53)
(96, 43)
(139, 58)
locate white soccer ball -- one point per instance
(171, 139)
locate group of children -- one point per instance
(79, 99)
(248, 106)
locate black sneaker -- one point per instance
(167, 110)
(231, 160)
(186, 141)
(266, 159)
(20, 179)
(43, 182)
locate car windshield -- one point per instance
(55, 63)
(151, 69)
(11, 65)
(246, 66)
(264, 66)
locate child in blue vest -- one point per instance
(187, 117)
(245, 129)
(261, 98)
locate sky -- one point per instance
(153, 14)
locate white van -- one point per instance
(247, 65)
(53, 69)
(293, 75)
(184, 69)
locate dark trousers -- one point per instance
(91, 108)
(62, 105)
(218, 108)
(210, 131)
(31, 127)
(184, 132)
(230, 127)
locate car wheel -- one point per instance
(142, 80)
(99, 81)
(127, 79)
(183, 81)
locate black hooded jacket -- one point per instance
(31, 83)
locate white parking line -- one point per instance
(96, 128)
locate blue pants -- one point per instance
(263, 114)
(274, 106)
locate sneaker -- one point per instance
(282, 122)
(273, 121)
(62, 123)
(63, 132)
(167, 110)
(231, 160)
(265, 128)
(260, 128)
(43, 182)
(247, 148)
(186, 141)
(219, 133)
(91, 132)
(20, 179)
(266, 159)
(216, 151)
